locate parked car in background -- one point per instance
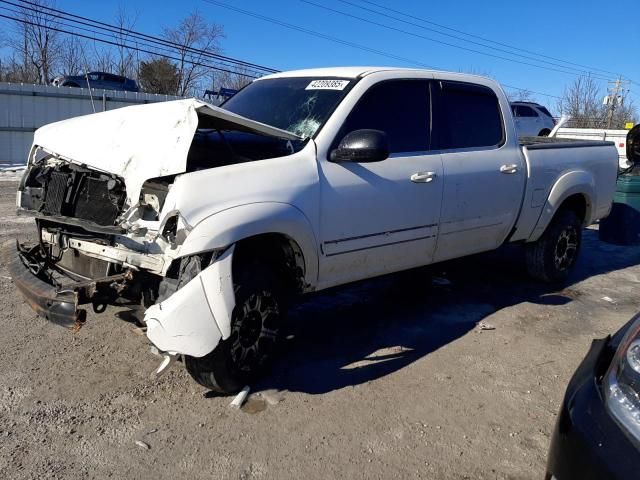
(306, 180)
(101, 80)
(532, 119)
(597, 434)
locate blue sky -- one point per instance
(583, 32)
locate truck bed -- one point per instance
(538, 143)
(562, 161)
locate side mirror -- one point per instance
(362, 146)
(633, 145)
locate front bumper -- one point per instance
(587, 442)
(58, 304)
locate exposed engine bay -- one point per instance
(66, 190)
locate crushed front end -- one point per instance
(84, 253)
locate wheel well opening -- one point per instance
(277, 251)
(577, 204)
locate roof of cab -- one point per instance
(344, 72)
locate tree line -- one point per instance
(38, 51)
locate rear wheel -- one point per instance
(554, 254)
(255, 324)
(544, 132)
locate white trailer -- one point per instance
(619, 137)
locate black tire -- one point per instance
(71, 84)
(554, 254)
(255, 325)
(544, 132)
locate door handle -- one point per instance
(511, 168)
(423, 177)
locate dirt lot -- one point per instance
(390, 378)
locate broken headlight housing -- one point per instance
(152, 196)
(622, 382)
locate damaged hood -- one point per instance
(143, 141)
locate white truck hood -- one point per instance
(142, 141)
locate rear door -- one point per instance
(483, 175)
(382, 217)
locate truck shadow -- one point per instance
(368, 330)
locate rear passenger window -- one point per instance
(400, 108)
(468, 116)
(526, 111)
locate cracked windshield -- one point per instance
(298, 105)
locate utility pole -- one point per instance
(613, 100)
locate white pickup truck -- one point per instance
(214, 217)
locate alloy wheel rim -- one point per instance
(253, 331)
(566, 249)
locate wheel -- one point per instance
(544, 132)
(71, 84)
(255, 323)
(553, 255)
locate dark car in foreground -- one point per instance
(597, 435)
(100, 80)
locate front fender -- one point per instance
(572, 183)
(234, 224)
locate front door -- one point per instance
(382, 217)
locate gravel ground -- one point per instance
(385, 379)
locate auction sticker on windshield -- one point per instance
(327, 85)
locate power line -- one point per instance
(406, 32)
(344, 42)
(318, 34)
(26, 22)
(384, 7)
(119, 30)
(119, 42)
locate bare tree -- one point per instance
(234, 81)
(37, 45)
(582, 101)
(193, 36)
(126, 60)
(521, 95)
(625, 112)
(103, 59)
(72, 56)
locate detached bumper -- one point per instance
(60, 307)
(58, 304)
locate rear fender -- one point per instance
(572, 183)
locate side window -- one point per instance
(468, 116)
(524, 111)
(514, 110)
(113, 78)
(400, 108)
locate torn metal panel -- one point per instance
(196, 317)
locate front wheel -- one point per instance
(255, 323)
(554, 254)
